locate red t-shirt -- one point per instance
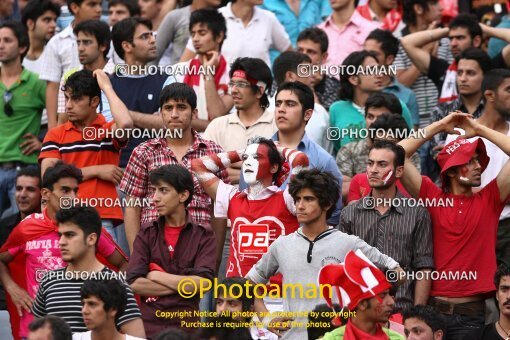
(464, 239)
(171, 237)
(360, 187)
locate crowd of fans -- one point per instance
(217, 170)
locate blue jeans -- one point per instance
(118, 234)
(8, 205)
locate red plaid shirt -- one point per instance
(154, 153)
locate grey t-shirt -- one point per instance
(173, 30)
(288, 256)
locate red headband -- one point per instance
(253, 81)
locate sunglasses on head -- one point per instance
(7, 106)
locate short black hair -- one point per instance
(303, 92)
(69, 2)
(355, 59)
(321, 322)
(30, 171)
(316, 35)
(124, 30)
(178, 91)
(478, 55)
(503, 270)
(426, 314)
(36, 8)
(494, 78)
(111, 292)
(21, 34)
(256, 69)
(236, 285)
(83, 83)
(381, 99)
(408, 15)
(273, 153)
(99, 29)
(225, 328)
(389, 44)
(469, 22)
(60, 329)
(214, 20)
(323, 184)
(288, 61)
(175, 175)
(131, 5)
(173, 334)
(398, 151)
(391, 123)
(58, 171)
(86, 218)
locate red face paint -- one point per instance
(387, 177)
(264, 164)
(463, 174)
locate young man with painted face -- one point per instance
(261, 208)
(465, 233)
(501, 329)
(79, 233)
(423, 323)
(32, 248)
(299, 256)
(103, 301)
(379, 223)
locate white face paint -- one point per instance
(250, 165)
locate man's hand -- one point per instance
(30, 145)
(20, 298)
(110, 173)
(211, 59)
(279, 325)
(102, 79)
(456, 119)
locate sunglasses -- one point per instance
(7, 106)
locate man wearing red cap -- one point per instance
(364, 290)
(464, 234)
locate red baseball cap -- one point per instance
(459, 152)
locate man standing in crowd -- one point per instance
(178, 107)
(150, 10)
(382, 12)
(294, 102)
(61, 54)
(170, 250)
(40, 19)
(80, 230)
(385, 47)
(103, 301)
(98, 161)
(423, 323)
(119, 10)
(20, 118)
(500, 329)
(464, 32)
(389, 216)
(461, 252)
(314, 43)
(207, 31)
(494, 116)
(32, 248)
(346, 29)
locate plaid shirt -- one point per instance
(154, 153)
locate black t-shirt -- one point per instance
(488, 332)
(6, 226)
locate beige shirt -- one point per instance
(230, 133)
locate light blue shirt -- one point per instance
(311, 13)
(318, 159)
(406, 95)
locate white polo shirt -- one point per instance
(263, 32)
(60, 55)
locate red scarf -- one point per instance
(193, 79)
(449, 89)
(23, 233)
(354, 333)
(389, 23)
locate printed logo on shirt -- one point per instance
(253, 238)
